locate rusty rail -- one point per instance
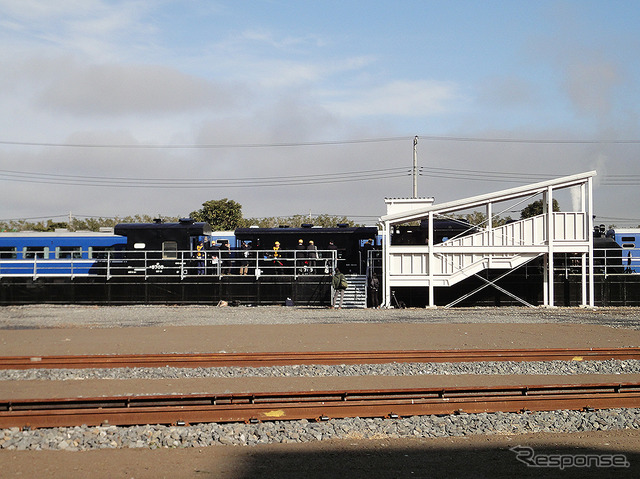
(192, 360)
(313, 405)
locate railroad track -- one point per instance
(313, 405)
(192, 360)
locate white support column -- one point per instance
(489, 230)
(430, 262)
(590, 233)
(587, 234)
(545, 280)
(550, 235)
(583, 263)
(386, 242)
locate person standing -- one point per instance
(330, 263)
(277, 258)
(200, 257)
(301, 254)
(225, 258)
(339, 285)
(244, 260)
(312, 255)
(374, 286)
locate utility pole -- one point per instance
(415, 167)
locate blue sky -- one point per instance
(122, 107)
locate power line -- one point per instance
(177, 183)
(479, 175)
(577, 141)
(293, 180)
(543, 141)
(204, 146)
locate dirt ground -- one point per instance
(50, 331)
(471, 456)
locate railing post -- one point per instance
(108, 272)
(182, 264)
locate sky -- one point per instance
(122, 107)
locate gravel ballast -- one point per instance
(201, 435)
(389, 369)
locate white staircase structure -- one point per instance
(504, 247)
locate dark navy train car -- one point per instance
(349, 243)
(443, 229)
(163, 248)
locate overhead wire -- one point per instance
(128, 182)
(472, 139)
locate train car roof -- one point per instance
(57, 234)
(626, 230)
(192, 227)
(356, 230)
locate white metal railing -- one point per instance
(504, 246)
(567, 226)
(176, 264)
(607, 261)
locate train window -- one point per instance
(33, 252)
(170, 250)
(8, 252)
(628, 238)
(100, 253)
(628, 245)
(69, 252)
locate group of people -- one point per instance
(304, 261)
(222, 255)
(306, 257)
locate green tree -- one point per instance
(535, 209)
(222, 214)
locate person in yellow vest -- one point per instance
(277, 258)
(200, 256)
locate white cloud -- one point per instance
(407, 98)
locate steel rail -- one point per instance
(192, 360)
(312, 405)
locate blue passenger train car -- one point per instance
(60, 253)
(629, 241)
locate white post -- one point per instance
(386, 242)
(415, 167)
(550, 235)
(430, 261)
(583, 257)
(590, 233)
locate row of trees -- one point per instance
(222, 215)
